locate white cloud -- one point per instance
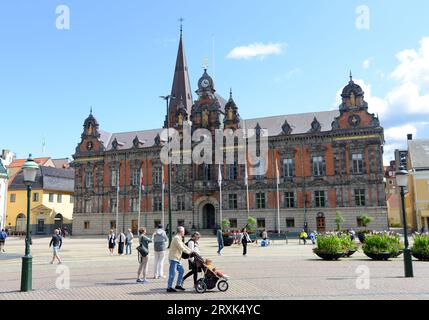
(398, 134)
(367, 63)
(256, 50)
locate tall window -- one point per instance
(51, 197)
(181, 206)
(261, 223)
(135, 177)
(157, 203)
(113, 177)
(135, 204)
(320, 200)
(89, 180)
(180, 177)
(59, 198)
(360, 197)
(207, 172)
(357, 160)
(88, 206)
(260, 170)
(112, 205)
(232, 201)
(318, 167)
(232, 171)
(35, 197)
(157, 175)
(12, 197)
(260, 201)
(288, 168)
(289, 200)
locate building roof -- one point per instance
(299, 123)
(18, 163)
(61, 163)
(48, 178)
(419, 154)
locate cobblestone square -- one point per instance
(281, 271)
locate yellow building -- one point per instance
(418, 186)
(51, 202)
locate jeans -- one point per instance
(159, 263)
(128, 248)
(220, 247)
(175, 266)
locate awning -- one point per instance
(424, 213)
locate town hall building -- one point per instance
(327, 162)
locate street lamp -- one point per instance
(402, 182)
(29, 169)
(167, 99)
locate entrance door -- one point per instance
(59, 221)
(41, 226)
(321, 222)
(135, 226)
(21, 223)
(209, 216)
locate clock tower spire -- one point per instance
(181, 88)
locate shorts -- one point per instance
(56, 250)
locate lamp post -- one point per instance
(402, 182)
(29, 169)
(167, 99)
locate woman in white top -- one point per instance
(193, 245)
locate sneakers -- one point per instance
(180, 288)
(139, 281)
(171, 290)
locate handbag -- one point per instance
(143, 251)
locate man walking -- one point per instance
(177, 248)
(56, 243)
(129, 242)
(3, 236)
(219, 236)
(121, 243)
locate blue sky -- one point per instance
(118, 57)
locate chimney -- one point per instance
(410, 137)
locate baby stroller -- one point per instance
(210, 280)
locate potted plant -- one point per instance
(381, 247)
(251, 228)
(348, 245)
(365, 221)
(396, 243)
(228, 239)
(420, 249)
(329, 247)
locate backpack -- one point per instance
(2, 235)
(185, 255)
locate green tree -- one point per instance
(366, 220)
(251, 223)
(339, 220)
(225, 224)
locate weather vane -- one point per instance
(181, 25)
(205, 63)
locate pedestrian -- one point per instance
(121, 243)
(111, 239)
(194, 246)
(66, 232)
(143, 256)
(220, 245)
(177, 248)
(245, 239)
(56, 243)
(160, 240)
(129, 242)
(3, 236)
(313, 237)
(303, 236)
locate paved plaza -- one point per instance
(281, 271)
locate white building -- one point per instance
(5, 159)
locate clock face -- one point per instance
(205, 83)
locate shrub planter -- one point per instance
(421, 256)
(228, 241)
(329, 256)
(350, 253)
(379, 256)
(398, 254)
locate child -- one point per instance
(218, 273)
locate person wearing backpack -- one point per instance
(193, 269)
(3, 236)
(143, 256)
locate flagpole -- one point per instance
(117, 198)
(278, 196)
(140, 197)
(220, 197)
(246, 174)
(163, 198)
